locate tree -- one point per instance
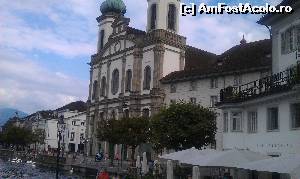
(135, 131)
(38, 137)
(18, 137)
(183, 125)
(128, 131)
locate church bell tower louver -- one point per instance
(163, 14)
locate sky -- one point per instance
(45, 45)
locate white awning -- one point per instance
(215, 158)
(227, 158)
(289, 164)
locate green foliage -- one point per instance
(127, 131)
(38, 136)
(183, 125)
(16, 136)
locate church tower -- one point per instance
(163, 14)
(110, 9)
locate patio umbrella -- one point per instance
(227, 158)
(288, 164)
(181, 155)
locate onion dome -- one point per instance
(115, 6)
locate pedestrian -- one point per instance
(103, 175)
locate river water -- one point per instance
(11, 170)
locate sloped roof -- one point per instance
(198, 59)
(241, 58)
(267, 17)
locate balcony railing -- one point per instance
(276, 83)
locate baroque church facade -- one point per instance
(125, 71)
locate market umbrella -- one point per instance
(181, 155)
(288, 164)
(227, 158)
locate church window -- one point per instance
(115, 82)
(128, 80)
(172, 17)
(95, 89)
(101, 39)
(153, 16)
(103, 86)
(147, 78)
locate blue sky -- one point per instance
(45, 45)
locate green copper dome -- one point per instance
(116, 6)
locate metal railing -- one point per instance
(276, 83)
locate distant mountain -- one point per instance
(6, 113)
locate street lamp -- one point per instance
(61, 125)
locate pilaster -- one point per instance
(159, 51)
(182, 60)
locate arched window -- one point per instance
(172, 17)
(115, 82)
(146, 113)
(153, 16)
(102, 39)
(103, 86)
(128, 80)
(95, 89)
(147, 78)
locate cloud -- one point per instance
(67, 29)
(28, 86)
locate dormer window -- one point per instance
(172, 17)
(153, 16)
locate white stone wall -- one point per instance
(283, 61)
(203, 93)
(51, 134)
(284, 141)
(78, 129)
(171, 60)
